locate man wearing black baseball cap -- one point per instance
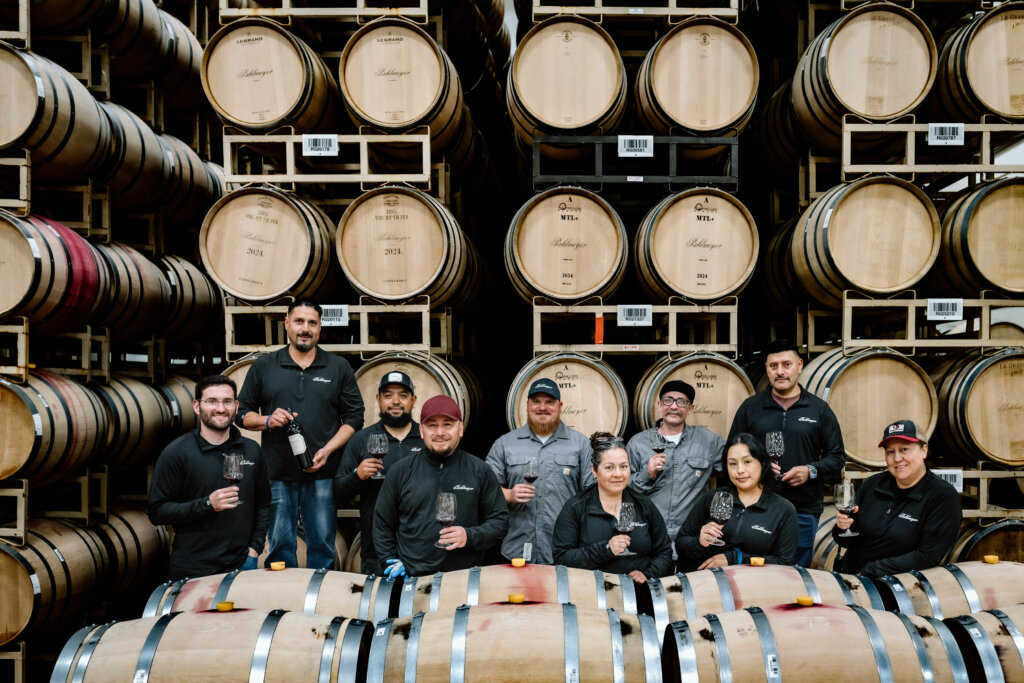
(359, 471)
(561, 469)
(906, 518)
(672, 461)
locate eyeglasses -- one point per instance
(681, 402)
(213, 403)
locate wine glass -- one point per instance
(233, 470)
(531, 473)
(845, 502)
(445, 513)
(659, 446)
(626, 523)
(775, 444)
(377, 445)
(721, 511)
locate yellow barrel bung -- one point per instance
(277, 566)
(757, 561)
(225, 606)
(991, 559)
(804, 600)
(516, 598)
(518, 562)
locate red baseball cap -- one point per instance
(440, 405)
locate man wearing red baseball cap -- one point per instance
(406, 529)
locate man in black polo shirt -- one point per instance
(395, 398)
(317, 389)
(814, 451)
(218, 526)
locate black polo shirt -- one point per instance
(325, 395)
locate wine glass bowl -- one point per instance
(626, 523)
(531, 473)
(445, 513)
(721, 511)
(845, 502)
(233, 468)
(377, 447)
(775, 444)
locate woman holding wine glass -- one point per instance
(609, 527)
(743, 519)
(903, 519)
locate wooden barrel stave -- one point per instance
(138, 418)
(178, 392)
(1004, 539)
(181, 73)
(989, 642)
(138, 550)
(954, 590)
(139, 292)
(137, 172)
(195, 301)
(194, 185)
(826, 550)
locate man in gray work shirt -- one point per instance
(563, 469)
(675, 477)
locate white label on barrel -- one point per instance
(59, 556)
(952, 477)
(174, 409)
(35, 584)
(140, 676)
(636, 145)
(951, 134)
(319, 145)
(381, 630)
(635, 315)
(33, 246)
(334, 315)
(170, 278)
(636, 10)
(39, 87)
(897, 588)
(945, 309)
(773, 666)
(39, 424)
(975, 633)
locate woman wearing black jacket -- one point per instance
(907, 518)
(585, 536)
(763, 523)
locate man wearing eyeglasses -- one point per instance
(675, 477)
(219, 525)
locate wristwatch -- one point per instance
(812, 472)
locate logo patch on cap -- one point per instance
(395, 377)
(895, 428)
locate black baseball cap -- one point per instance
(680, 386)
(545, 386)
(901, 429)
(396, 377)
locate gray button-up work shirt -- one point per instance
(564, 466)
(688, 465)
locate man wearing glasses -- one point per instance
(219, 525)
(672, 461)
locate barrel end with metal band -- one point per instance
(979, 652)
(68, 659)
(953, 655)
(378, 651)
(894, 594)
(355, 650)
(679, 641)
(659, 603)
(155, 599)
(652, 648)
(724, 589)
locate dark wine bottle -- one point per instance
(297, 441)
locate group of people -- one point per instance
(545, 492)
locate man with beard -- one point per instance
(561, 464)
(406, 532)
(217, 528)
(395, 398)
(814, 451)
(318, 390)
(676, 474)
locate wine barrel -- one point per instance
(780, 289)
(990, 642)
(778, 137)
(1008, 333)
(138, 171)
(50, 274)
(195, 303)
(566, 243)
(135, 36)
(825, 551)
(567, 78)
(181, 74)
(194, 184)
(354, 560)
(340, 552)
(788, 642)
(52, 427)
(178, 392)
(869, 389)
(48, 581)
(954, 589)
(260, 243)
(237, 372)
(720, 384)
(506, 643)
(259, 77)
(700, 244)
(727, 589)
(431, 376)
(983, 239)
(310, 591)
(982, 399)
(593, 396)
(52, 115)
(397, 243)
(139, 292)
(64, 16)
(877, 62)
(138, 419)
(878, 235)
(979, 66)
(241, 645)
(138, 550)
(1004, 539)
(701, 77)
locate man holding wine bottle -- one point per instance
(308, 404)
(540, 466)
(212, 486)
(374, 450)
(811, 448)
(672, 461)
(441, 509)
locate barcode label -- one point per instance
(946, 134)
(634, 179)
(319, 145)
(945, 309)
(335, 315)
(951, 476)
(635, 10)
(635, 315)
(636, 145)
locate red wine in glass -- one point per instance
(530, 478)
(626, 523)
(845, 502)
(531, 473)
(445, 513)
(232, 471)
(721, 511)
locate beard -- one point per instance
(395, 421)
(304, 344)
(443, 453)
(216, 423)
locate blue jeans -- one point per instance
(315, 501)
(805, 545)
(250, 563)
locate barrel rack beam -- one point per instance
(14, 350)
(16, 491)
(352, 10)
(984, 509)
(23, 33)
(14, 653)
(82, 497)
(673, 10)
